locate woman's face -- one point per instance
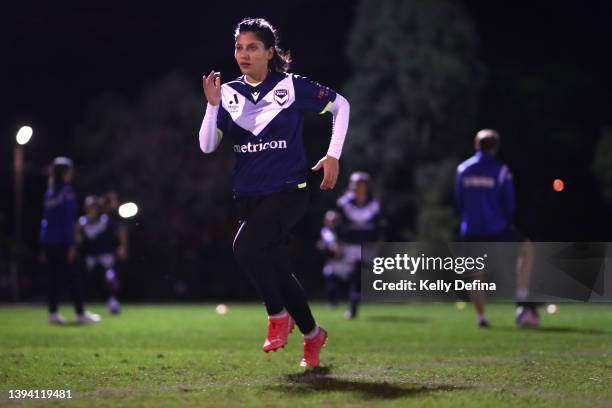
(68, 176)
(93, 211)
(251, 55)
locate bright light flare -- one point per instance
(558, 185)
(128, 210)
(24, 135)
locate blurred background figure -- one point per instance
(104, 239)
(484, 191)
(336, 270)
(57, 236)
(98, 236)
(110, 207)
(359, 232)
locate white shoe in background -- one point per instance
(88, 317)
(56, 318)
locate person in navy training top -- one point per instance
(359, 231)
(98, 234)
(262, 113)
(484, 191)
(57, 236)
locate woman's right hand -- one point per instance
(212, 87)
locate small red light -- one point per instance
(558, 185)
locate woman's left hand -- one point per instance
(331, 169)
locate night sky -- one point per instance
(58, 56)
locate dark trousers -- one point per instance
(60, 272)
(510, 234)
(355, 289)
(335, 286)
(261, 249)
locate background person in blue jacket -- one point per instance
(484, 191)
(57, 236)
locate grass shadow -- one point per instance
(398, 319)
(551, 329)
(560, 329)
(72, 323)
(319, 379)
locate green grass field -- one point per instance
(430, 355)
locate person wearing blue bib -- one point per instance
(58, 240)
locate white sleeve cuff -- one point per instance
(340, 109)
(210, 136)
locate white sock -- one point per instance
(282, 313)
(522, 294)
(313, 333)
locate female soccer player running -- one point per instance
(262, 111)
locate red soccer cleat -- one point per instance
(312, 348)
(278, 332)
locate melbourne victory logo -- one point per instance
(281, 96)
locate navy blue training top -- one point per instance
(265, 123)
(360, 224)
(99, 234)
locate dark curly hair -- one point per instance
(269, 36)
